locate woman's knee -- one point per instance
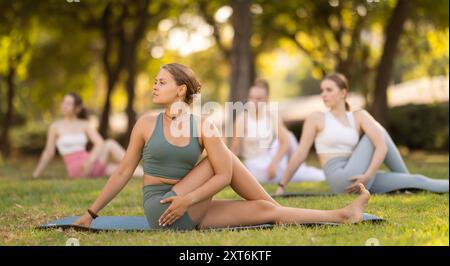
(265, 206)
(110, 142)
(107, 144)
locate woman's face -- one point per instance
(331, 94)
(165, 88)
(257, 95)
(68, 106)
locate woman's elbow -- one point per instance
(285, 148)
(124, 172)
(49, 153)
(383, 148)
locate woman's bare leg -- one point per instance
(242, 181)
(111, 167)
(111, 149)
(116, 151)
(223, 213)
(249, 211)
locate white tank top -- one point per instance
(335, 137)
(71, 142)
(259, 137)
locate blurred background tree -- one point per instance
(110, 51)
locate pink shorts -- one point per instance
(75, 161)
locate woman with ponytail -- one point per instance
(70, 136)
(179, 186)
(351, 146)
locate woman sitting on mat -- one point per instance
(70, 136)
(348, 158)
(178, 191)
(266, 147)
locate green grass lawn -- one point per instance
(412, 219)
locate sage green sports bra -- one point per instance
(164, 159)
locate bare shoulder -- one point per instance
(316, 117)
(361, 114)
(55, 125)
(147, 118)
(145, 125)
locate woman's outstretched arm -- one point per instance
(283, 148)
(121, 175)
(48, 153)
(300, 155)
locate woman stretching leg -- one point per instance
(70, 136)
(398, 178)
(346, 158)
(178, 192)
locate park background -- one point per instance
(394, 52)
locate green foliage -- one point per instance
(62, 49)
(420, 126)
(30, 138)
(18, 119)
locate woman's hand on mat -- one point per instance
(356, 180)
(84, 220)
(177, 208)
(35, 175)
(280, 191)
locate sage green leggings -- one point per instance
(153, 209)
(339, 170)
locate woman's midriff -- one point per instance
(156, 180)
(325, 157)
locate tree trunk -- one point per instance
(393, 31)
(130, 87)
(111, 31)
(7, 121)
(241, 57)
(104, 120)
(131, 63)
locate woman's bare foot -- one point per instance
(353, 213)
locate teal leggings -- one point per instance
(339, 170)
(153, 209)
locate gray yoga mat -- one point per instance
(403, 191)
(303, 194)
(139, 223)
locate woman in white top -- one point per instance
(70, 136)
(266, 152)
(348, 159)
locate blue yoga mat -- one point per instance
(139, 223)
(303, 194)
(329, 194)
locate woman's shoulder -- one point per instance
(316, 116)
(56, 125)
(360, 113)
(147, 120)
